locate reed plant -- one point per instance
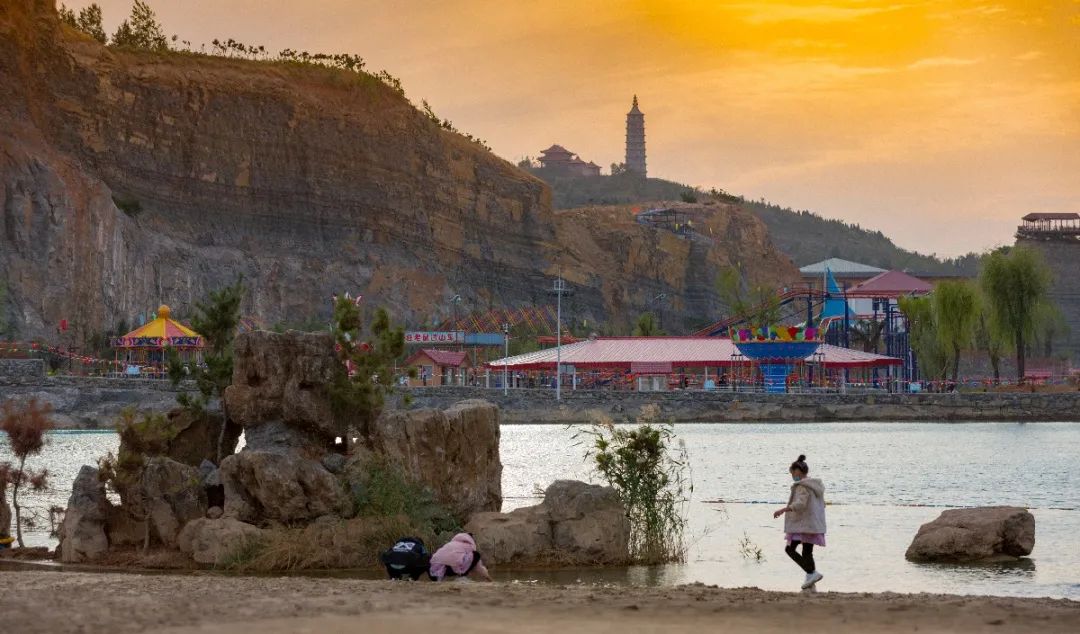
(649, 468)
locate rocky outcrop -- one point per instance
(975, 534)
(282, 380)
(306, 181)
(5, 512)
(172, 494)
(576, 524)
(213, 541)
(265, 486)
(454, 452)
(82, 533)
(197, 436)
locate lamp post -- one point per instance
(454, 301)
(658, 302)
(506, 355)
(558, 289)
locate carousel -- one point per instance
(142, 352)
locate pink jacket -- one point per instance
(457, 555)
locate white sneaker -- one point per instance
(812, 579)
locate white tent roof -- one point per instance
(840, 267)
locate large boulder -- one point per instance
(82, 533)
(172, 494)
(454, 452)
(576, 524)
(975, 534)
(285, 377)
(213, 541)
(284, 487)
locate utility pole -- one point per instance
(559, 289)
(506, 355)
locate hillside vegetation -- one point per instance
(803, 235)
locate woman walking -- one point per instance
(804, 521)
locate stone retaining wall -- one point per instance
(539, 406)
(22, 371)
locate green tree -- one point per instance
(90, 22)
(956, 313)
(647, 326)
(988, 341)
(216, 320)
(1015, 283)
(756, 305)
(922, 330)
(141, 30)
(1049, 325)
(368, 353)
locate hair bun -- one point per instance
(802, 458)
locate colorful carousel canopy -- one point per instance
(163, 332)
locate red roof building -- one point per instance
(438, 367)
(891, 284)
(563, 162)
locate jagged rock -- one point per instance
(5, 512)
(285, 377)
(455, 452)
(576, 524)
(172, 495)
(334, 462)
(82, 533)
(209, 475)
(975, 534)
(287, 488)
(196, 440)
(213, 541)
(122, 529)
(214, 512)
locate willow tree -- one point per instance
(956, 314)
(923, 334)
(1015, 284)
(647, 326)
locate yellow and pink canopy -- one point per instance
(162, 332)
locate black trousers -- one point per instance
(806, 559)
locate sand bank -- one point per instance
(34, 602)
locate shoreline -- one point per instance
(62, 602)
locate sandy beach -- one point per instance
(53, 602)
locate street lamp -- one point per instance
(558, 289)
(506, 355)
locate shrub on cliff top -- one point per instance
(649, 470)
(141, 30)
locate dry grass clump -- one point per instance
(354, 543)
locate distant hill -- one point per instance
(803, 235)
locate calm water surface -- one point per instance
(883, 481)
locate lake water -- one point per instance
(883, 480)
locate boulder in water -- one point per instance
(576, 524)
(975, 534)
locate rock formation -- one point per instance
(213, 541)
(975, 534)
(172, 495)
(82, 533)
(128, 178)
(454, 451)
(576, 524)
(5, 513)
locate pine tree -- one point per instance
(368, 354)
(90, 22)
(141, 30)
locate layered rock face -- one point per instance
(304, 180)
(975, 534)
(576, 524)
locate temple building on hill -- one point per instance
(562, 162)
(635, 140)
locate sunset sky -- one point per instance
(937, 122)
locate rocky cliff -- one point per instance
(304, 180)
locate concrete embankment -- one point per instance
(90, 403)
(540, 406)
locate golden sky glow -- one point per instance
(939, 122)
